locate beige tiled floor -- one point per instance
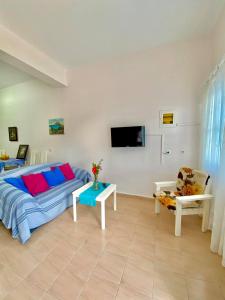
(137, 257)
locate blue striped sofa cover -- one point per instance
(20, 212)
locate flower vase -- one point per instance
(95, 184)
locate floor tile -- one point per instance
(169, 285)
(199, 289)
(43, 275)
(119, 246)
(143, 263)
(137, 257)
(143, 249)
(19, 262)
(96, 289)
(66, 286)
(83, 264)
(25, 291)
(127, 293)
(60, 256)
(137, 279)
(110, 267)
(47, 296)
(8, 281)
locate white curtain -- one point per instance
(218, 229)
(213, 154)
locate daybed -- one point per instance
(21, 212)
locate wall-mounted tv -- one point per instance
(133, 136)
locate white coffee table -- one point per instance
(102, 197)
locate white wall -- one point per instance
(126, 91)
(219, 39)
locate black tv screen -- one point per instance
(133, 136)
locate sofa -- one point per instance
(22, 213)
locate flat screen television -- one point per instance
(133, 136)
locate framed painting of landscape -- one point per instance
(56, 126)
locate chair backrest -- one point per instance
(38, 157)
(192, 182)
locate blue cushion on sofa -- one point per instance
(54, 177)
(18, 183)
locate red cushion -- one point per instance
(35, 183)
(67, 171)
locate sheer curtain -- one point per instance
(213, 154)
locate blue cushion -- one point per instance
(54, 177)
(18, 183)
(59, 175)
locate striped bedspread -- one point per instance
(21, 212)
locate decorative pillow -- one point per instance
(35, 183)
(66, 170)
(54, 177)
(191, 182)
(18, 183)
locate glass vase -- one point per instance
(95, 184)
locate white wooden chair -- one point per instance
(38, 157)
(191, 204)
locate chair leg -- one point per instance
(178, 216)
(157, 206)
(205, 216)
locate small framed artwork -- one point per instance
(13, 136)
(56, 126)
(167, 118)
(22, 152)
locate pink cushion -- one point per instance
(67, 171)
(35, 183)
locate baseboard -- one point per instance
(134, 195)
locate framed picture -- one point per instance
(56, 126)
(167, 118)
(22, 152)
(13, 136)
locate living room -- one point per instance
(114, 65)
